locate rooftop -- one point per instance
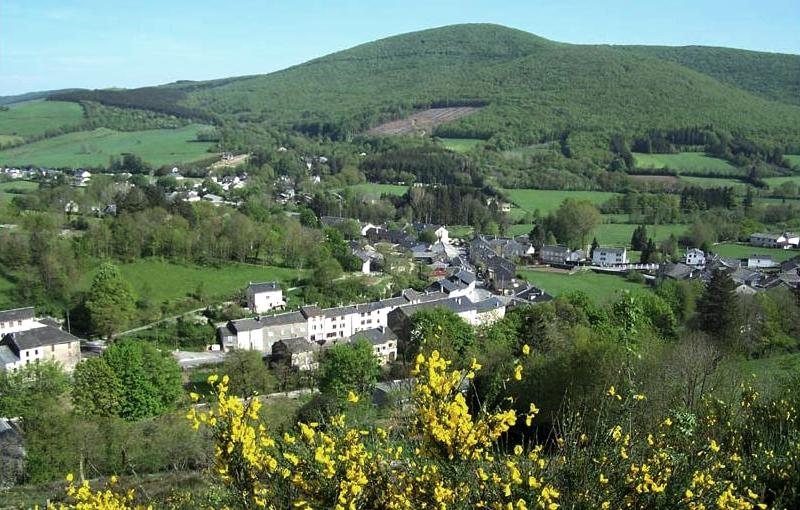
(264, 287)
(38, 337)
(17, 314)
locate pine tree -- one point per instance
(110, 301)
(639, 238)
(595, 245)
(718, 311)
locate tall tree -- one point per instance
(248, 373)
(718, 311)
(96, 391)
(110, 301)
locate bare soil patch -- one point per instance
(423, 122)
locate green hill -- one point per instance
(533, 89)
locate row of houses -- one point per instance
(303, 332)
(784, 240)
(27, 339)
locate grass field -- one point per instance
(687, 162)
(9, 140)
(600, 287)
(740, 251)
(5, 187)
(94, 148)
(36, 117)
(167, 281)
(462, 144)
(548, 200)
(774, 182)
(617, 234)
(794, 159)
(380, 189)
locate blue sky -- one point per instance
(47, 44)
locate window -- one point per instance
(36, 352)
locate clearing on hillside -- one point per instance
(686, 163)
(93, 149)
(422, 122)
(549, 200)
(34, 118)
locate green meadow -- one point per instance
(713, 182)
(462, 144)
(34, 118)
(684, 162)
(794, 159)
(774, 182)
(548, 200)
(600, 287)
(9, 140)
(741, 251)
(164, 281)
(379, 189)
(614, 234)
(8, 188)
(94, 148)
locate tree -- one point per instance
(248, 373)
(96, 391)
(573, 221)
(440, 329)
(639, 238)
(20, 391)
(110, 301)
(648, 251)
(150, 380)
(326, 272)
(595, 245)
(537, 236)
(348, 367)
(718, 311)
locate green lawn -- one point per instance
(687, 162)
(600, 287)
(794, 159)
(460, 231)
(774, 182)
(712, 182)
(169, 281)
(94, 148)
(9, 140)
(616, 234)
(380, 189)
(36, 117)
(462, 144)
(741, 251)
(5, 187)
(548, 200)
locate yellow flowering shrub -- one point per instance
(82, 497)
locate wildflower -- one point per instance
(526, 349)
(352, 397)
(518, 373)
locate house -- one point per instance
(748, 277)
(756, 261)
(441, 233)
(263, 297)
(530, 295)
(384, 343)
(695, 257)
(298, 352)
(610, 256)
(783, 240)
(678, 271)
(44, 343)
(18, 319)
(501, 274)
(560, 255)
(366, 261)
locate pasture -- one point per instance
(164, 281)
(462, 144)
(684, 162)
(9, 140)
(741, 251)
(600, 287)
(9, 189)
(619, 234)
(774, 182)
(379, 189)
(95, 148)
(528, 200)
(34, 118)
(794, 159)
(713, 182)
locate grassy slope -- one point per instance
(777, 181)
(713, 182)
(740, 251)
(35, 117)
(600, 287)
(5, 187)
(549, 200)
(794, 159)
(462, 144)
(168, 281)
(380, 189)
(94, 148)
(615, 234)
(691, 161)
(534, 86)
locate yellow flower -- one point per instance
(714, 446)
(518, 373)
(70, 477)
(526, 349)
(475, 365)
(603, 479)
(352, 397)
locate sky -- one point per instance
(52, 44)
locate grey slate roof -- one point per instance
(38, 337)
(376, 336)
(297, 345)
(7, 355)
(464, 276)
(264, 287)
(17, 314)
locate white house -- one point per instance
(761, 262)
(695, 257)
(610, 256)
(25, 340)
(783, 240)
(263, 297)
(442, 234)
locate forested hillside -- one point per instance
(533, 89)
